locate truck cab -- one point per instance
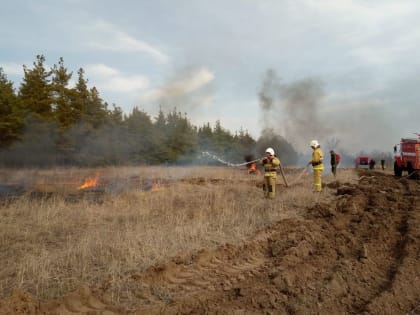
(407, 158)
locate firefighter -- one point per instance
(317, 166)
(271, 164)
(333, 162)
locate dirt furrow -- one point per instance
(355, 250)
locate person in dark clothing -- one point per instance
(383, 164)
(372, 164)
(333, 162)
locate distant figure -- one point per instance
(383, 164)
(333, 162)
(317, 166)
(271, 164)
(395, 148)
(372, 164)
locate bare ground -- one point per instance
(355, 251)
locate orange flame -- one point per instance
(252, 169)
(90, 182)
(155, 187)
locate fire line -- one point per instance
(90, 182)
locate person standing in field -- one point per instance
(333, 162)
(271, 164)
(317, 166)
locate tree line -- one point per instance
(46, 122)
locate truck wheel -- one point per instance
(397, 170)
(411, 172)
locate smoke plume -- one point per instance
(292, 110)
(301, 111)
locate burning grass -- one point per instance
(50, 246)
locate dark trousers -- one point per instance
(334, 169)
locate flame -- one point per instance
(90, 182)
(252, 169)
(151, 186)
(155, 187)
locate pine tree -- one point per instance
(81, 95)
(96, 109)
(205, 138)
(181, 137)
(87, 105)
(222, 138)
(116, 116)
(159, 151)
(62, 95)
(35, 92)
(11, 118)
(140, 136)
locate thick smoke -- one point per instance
(38, 146)
(292, 110)
(301, 111)
(283, 149)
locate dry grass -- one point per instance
(49, 246)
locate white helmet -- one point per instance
(270, 150)
(314, 143)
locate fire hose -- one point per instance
(409, 175)
(305, 169)
(242, 164)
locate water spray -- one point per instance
(214, 157)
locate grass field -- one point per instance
(55, 238)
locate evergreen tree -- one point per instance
(80, 95)
(222, 139)
(181, 138)
(58, 124)
(87, 104)
(159, 151)
(35, 92)
(11, 118)
(243, 145)
(116, 116)
(205, 138)
(96, 110)
(38, 146)
(62, 95)
(140, 136)
(245, 140)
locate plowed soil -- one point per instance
(355, 251)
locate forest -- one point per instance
(46, 122)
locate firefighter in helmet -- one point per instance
(317, 166)
(271, 164)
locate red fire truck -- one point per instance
(362, 162)
(407, 158)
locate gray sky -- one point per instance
(336, 68)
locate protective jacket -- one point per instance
(270, 175)
(317, 158)
(270, 167)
